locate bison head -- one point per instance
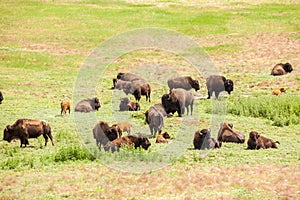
(226, 134)
(288, 67)
(97, 103)
(166, 135)
(195, 85)
(112, 133)
(143, 141)
(120, 75)
(254, 135)
(7, 136)
(228, 84)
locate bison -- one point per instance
(123, 126)
(24, 129)
(65, 105)
(169, 105)
(129, 77)
(203, 140)
(256, 141)
(88, 105)
(217, 84)
(126, 104)
(162, 137)
(278, 91)
(183, 99)
(227, 134)
(185, 82)
(155, 118)
(136, 88)
(133, 106)
(103, 133)
(1, 97)
(137, 141)
(281, 69)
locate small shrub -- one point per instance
(73, 153)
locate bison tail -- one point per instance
(277, 142)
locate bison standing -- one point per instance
(184, 99)
(155, 118)
(24, 129)
(185, 82)
(217, 84)
(65, 105)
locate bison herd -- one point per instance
(179, 98)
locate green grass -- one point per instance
(44, 44)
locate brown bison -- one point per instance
(281, 69)
(155, 118)
(203, 140)
(65, 105)
(278, 91)
(129, 77)
(137, 88)
(185, 82)
(184, 99)
(217, 84)
(133, 106)
(162, 137)
(137, 141)
(169, 105)
(256, 141)
(24, 129)
(88, 105)
(227, 134)
(103, 133)
(1, 97)
(123, 127)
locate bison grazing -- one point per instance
(137, 141)
(185, 82)
(162, 137)
(88, 105)
(256, 141)
(281, 69)
(24, 129)
(278, 91)
(65, 105)
(155, 118)
(182, 98)
(103, 133)
(203, 140)
(227, 134)
(1, 97)
(217, 84)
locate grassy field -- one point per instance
(44, 44)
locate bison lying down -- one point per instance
(203, 140)
(126, 105)
(1, 97)
(24, 129)
(281, 69)
(256, 141)
(162, 137)
(88, 105)
(227, 134)
(137, 141)
(278, 91)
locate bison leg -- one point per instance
(46, 139)
(192, 108)
(209, 94)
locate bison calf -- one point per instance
(256, 141)
(65, 105)
(162, 137)
(278, 91)
(123, 127)
(24, 129)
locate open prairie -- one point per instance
(44, 46)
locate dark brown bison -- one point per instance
(1, 97)
(24, 129)
(65, 105)
(136, 88)
(123, 127)
(227, 134)
(129, 77)
(203, 140)
(217, 84)
(281, 69)
(103, 133)
(162, 137)
(169, 105)
(155, 118)
(256, 141)
(126, 104)
(184, 99)
(185, 82)
(137, 141)
(88, 105)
